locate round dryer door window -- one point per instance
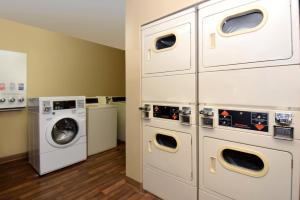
(64, 131)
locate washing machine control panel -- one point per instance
(168, 112)
(50, 106)
(257, 121)
(46, 107)
(62, 105)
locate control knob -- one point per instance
(21, 99)
(12, 99)
(2, 100)
(185, 111)
(146, 108)
(207, 112)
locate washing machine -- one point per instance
(163, 77)
(248, 153)
(56, 132)
(169, 150)
(101, 126)
(120, 103)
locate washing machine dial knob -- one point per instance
(12, 99)
(2, 100)
(21, 100)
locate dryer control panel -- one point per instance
(257, 121)
(166, 112)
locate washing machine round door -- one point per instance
(64, 131)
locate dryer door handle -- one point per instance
(212, 38)
(212, 164)
(149, 52)
(150, 146)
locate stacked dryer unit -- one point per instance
(169, 106)
(249, 100)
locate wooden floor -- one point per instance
(100, 177)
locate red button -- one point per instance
(174, 116)
(225, 113)
(2, 86)
(260, 126)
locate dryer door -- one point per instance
(168, 151)
(251, 32)
(63, 131)
(163, 42)
(245, 172)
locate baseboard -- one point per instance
(24, 156)
(120, 142)
(134, 183)
(138, 185)
(7, 159)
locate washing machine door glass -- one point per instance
(64, 131)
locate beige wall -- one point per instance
(137, 13)
(58, 65)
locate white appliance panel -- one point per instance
(62, 158)
(272, 86)
(175, 160)
(167, 39)
(243, 34)
(166, 187)
(101, 128)
(13, 80)
(274, 184)
(176, 88)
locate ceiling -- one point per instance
(100, 21)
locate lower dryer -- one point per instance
(247, 153)
(169, 150)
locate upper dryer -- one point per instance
(248, 33)
(169, 59)
(169, 45)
